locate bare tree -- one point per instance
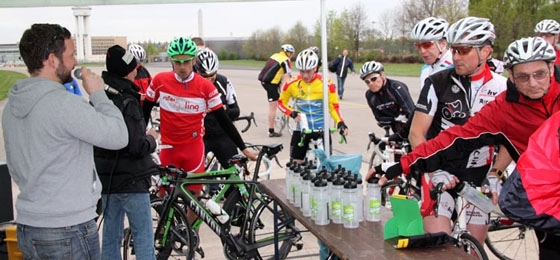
(415, 10)
(299, 37)
(354, 24)
(262, 44)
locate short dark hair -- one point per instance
(39, 41)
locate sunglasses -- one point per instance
(423, 45)
(207, 76)
(372, 79)
(545, 35)
(463, 50)
(182, 61)
(524, 78)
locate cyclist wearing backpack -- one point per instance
(387, 97)
(276, 71)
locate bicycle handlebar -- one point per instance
(318, 132)
(249, 118)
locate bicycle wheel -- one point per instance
(279, 122)
(259, 227)
(509, 240)
(471, 246)
(183, 239)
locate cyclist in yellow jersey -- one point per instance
(276, 71)
(307, 90)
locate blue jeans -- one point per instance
(74, 242)
(340, 85)
(138, 211)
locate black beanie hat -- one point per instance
(119, 61)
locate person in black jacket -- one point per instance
(388, 99)
(216, 139)
(125, 174)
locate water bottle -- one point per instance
(297, 187)
(289, 167)
(294, 175)
(475, 197)
(373, 200)
(336, 200)
(215, 209)
(305, 194)
(359, 196)
(319, 204)
(350, 205)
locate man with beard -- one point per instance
(50, 152)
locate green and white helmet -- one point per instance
(181, 46)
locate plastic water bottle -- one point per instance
(297, 187)
(215, 209)
(475, 197)
(373, 200)
(359, 196)
(319, 204)
(294, 175)
(350, 205)
(289, 168)
(336, 200)
(305, 194)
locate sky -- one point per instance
(163, 22)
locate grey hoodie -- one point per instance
(49, 134)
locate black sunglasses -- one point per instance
(372, 79)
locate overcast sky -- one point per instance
(162, 22)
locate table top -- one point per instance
(364, 242)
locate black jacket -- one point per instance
(127, 170)
(392, 100)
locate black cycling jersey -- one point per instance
(392, 100)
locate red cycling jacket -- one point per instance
(509, 120)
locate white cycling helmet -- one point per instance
(306, 60)
(471, 31)
(527, 50)
(548, 26)
(429, 29)
(370, 67)
(138, 52)
(206, 62)
(288, 48)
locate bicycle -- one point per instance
(243, 236)
(282, 121)
(250, 118)
(462, 237)
(509, 240)
(389, 151)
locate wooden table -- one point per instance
(364, 242)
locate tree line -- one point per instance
(387, 38)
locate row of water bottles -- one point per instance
(335, 196)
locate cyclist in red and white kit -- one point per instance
(185, 98)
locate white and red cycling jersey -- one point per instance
(183, 105)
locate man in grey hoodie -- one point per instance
(49, 150)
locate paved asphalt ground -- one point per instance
(252, 98)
